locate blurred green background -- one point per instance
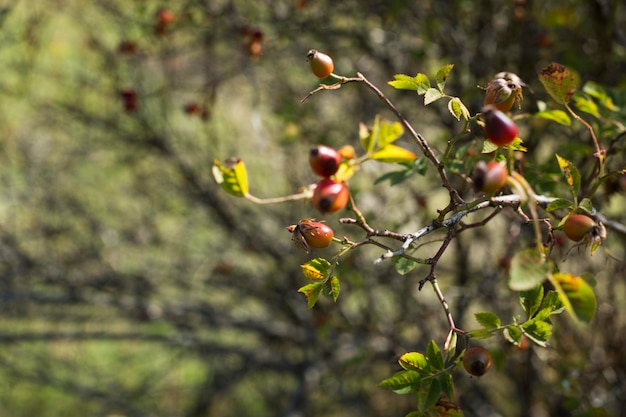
(132, 285)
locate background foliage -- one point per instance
(131, 285)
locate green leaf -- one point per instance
(558, 116)
(333, 288)
(419, 83)
(513, 334)
(559, 81)
(489, 147)
(404, 266)
(531, 300)
(527, 270)
(559, 203)
(539, 331)
(586, 105)
(232, 176)
(393, 153)
(414, 361)
(442, 76)
(434, 356)
(403, 382)
(597, 92)
(432, 95)
(577, 296)
(389, 132)
(458, 109)
(483, 333)
(488, 320)
(368, 137)
(447, 385)
(428, 393)
(586, 205)
(316, 269)
(312, 293)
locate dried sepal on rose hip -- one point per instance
(477, 361)
(330, 196)
(489, 177)
(321, 64)
(500, 129)
(309, 234)
(504, 91)
(324, 160)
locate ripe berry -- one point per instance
(311, 234)
(330, 196)
(130, 99)
(499, 128)
(324, 160)
(577, 226)
(164, 18)
(477, 361)
(321, 64)
(489, 177)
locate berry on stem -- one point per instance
(321, 64)
(499, 128)
(489, 177)
(577, 226)
(330, 196)
(311, 234)
(477, 361)
(324, 160)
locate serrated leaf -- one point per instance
(442, 76)
(434, 356)
(559, 81)
(404, 266)
(559, 203)
(458, 109)
(403, 382)
(232, 176)
(312, 293)
(558, 116)
(531, 300)
(432, 95)
(393, 153)
(480, 333)
(577, 296)
(488, 320)
(528, 269)
(414, 361)
(419, 83)
(316, 269)
(428, 393)
(333, 288)
(538, 331)
(489, 147)
(586, 205)
(586, 105)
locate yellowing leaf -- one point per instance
(316, 269)
(232, 176)
(311, 292)
(559, 81)
(393, 153)
(576, 295)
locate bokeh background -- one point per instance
(132, 285)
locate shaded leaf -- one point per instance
(559, 203)
(404, 266)
(488, 320)
(403, 382)
(333, 288)
(531, 300)
(442, 76)
(434, 356)
(428, 393)
(483, 333)
(447, 385)
(559, 81)
(527, 270)
(513, 334)
(539, 331)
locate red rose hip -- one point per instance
(499, 128)
(330, 196)
(324, 160)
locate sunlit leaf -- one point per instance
(513, 334)
(488, 320)
(333, 288)
(419, 83)
(559, 81)
(389, 132)
(403, 382)
(527, 270)
(311, 292)
(415, 361)
(596, 91)
(570, 173)
(539, 331)
(577, 296)
(232, 176)
(458, 109)
(316, 269)
(432, 95)
(586, 105)
(393, 153)
(345, 171)
(558, 116)
(442, 76)
(369, 136)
